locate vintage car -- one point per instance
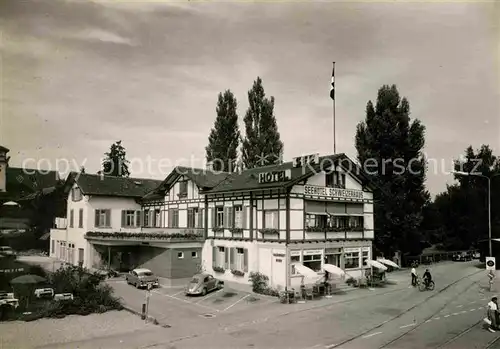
(201, 284)
(142, 278)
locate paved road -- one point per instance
(395, 317)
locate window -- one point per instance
(316, 221)
(103, 218)
(146, 218)
(338, 222)
(193, 217)
(173, 218)
(351, 260)
(219, 217)
(365, 257)
(80, 256)
(294, 259)
(128, 218)
(194, 254)
(238, 217)
(76, 194)
(183, 189)
(335, 180)
(157, 218)
(71, 218)
(270, 219)
(180, 255)
(52, 246)
(356, 222)
(80, 218)
(219, 257)
(239, 259)
(312, 262)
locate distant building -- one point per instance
(22, 186)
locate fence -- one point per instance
(434, 257)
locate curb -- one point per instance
(149, 318)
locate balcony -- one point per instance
(176, 235)
(333, 233)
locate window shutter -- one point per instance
(123, 218)
(96, 223)
(108, 218)
(170, 217)
(200, 218)
(190, 222)
(230, 217)
(137, 218)
(80, 218)
(214, 256)
(245, 260)
(214, 217)
(226, 250)
(244, 214)
(232, 258)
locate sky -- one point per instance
(78, 75)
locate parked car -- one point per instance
(142, 278)
(463, 257)
(7, 251)
(476, 255)
(203, 283)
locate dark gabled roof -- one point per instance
(205, 179)
(22, 182)
(93, 184)
(5, 150)
(249, 179)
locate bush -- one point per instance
(90, 295)
(259, 282)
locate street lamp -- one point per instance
(461, 173)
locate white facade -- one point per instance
(68, 242)
(260, 231)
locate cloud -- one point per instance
(99, 35)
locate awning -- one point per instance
(318, 213)
(376, 264)
(333, 269)
(388, 262)
(305, 271)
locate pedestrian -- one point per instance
(413, 276)
(493, 314)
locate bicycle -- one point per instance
(422, 286)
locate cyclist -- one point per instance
(427, 277)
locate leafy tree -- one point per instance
(115, 162)
(262, 144)
(224, 137)
(462, 210)
(389, 147)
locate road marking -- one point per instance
(371, 335)
(472, 309)
(428, 320)
(454, 314)
(175, 294)
(185, 301)
(239, 300)
(472, 302)
(207, 296)
(459, 306)
(480, 308)
(409, 325)
(447, 316)
(437, 318)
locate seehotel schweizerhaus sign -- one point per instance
(333, 192)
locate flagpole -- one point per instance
(334, 133)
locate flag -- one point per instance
(332, 89)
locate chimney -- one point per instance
(4, 161)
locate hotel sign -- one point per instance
(274, 176)
(333, 192)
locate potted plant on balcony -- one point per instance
(236, 231)
(236, 272)
(219, 269)
(269, 231)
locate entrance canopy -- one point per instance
(388, 262)
(376, 264)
